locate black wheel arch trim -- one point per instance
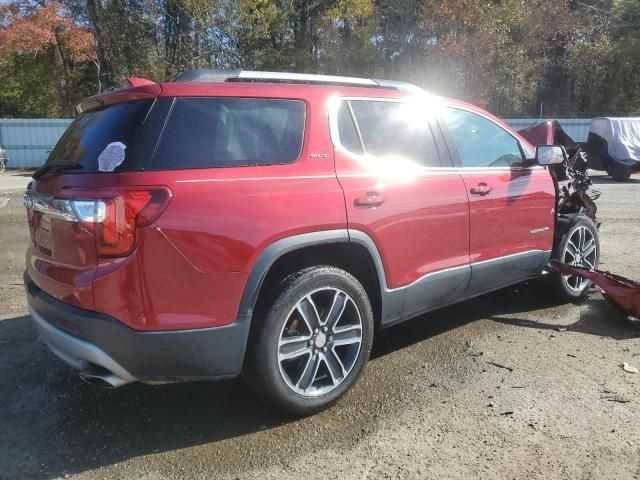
(286, 245)
(432, 291)
(564, 223)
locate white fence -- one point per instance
(28, 141)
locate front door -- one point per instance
(398, 193)
(511, 204)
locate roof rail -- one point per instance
(217, 75)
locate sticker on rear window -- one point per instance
(111, 157)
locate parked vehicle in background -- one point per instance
(550, 132)
(267, 224)
(3, 160)
(614, 146)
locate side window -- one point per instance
(393, 129)
(231, 132)
(347, 130)
(480, 142)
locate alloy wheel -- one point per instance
(320, 342)
(580, 250)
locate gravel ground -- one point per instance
(506, 386)
(12, 184)
(14, 180)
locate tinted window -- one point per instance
(91, 132)
(347, 130)
(397, 129)
(480, 142)
(227, 132)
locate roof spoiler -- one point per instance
(139, 82)
(218, 75)
(139, 89)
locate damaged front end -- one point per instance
(576, 199)
(621, 292)
(575, 195)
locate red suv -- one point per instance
(267, 224)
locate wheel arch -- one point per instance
(353, 251)
(565, 222)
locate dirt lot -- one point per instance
(431, 403)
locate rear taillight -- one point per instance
(115, 217)
(112, 216)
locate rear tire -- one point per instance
(310, 341)
(579, 246)
(621, 173)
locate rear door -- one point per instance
(399, 193)
(511, 205)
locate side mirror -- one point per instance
(550, 154)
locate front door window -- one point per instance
(480, 142)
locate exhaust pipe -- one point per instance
(102, 378)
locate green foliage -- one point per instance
(262, 33)
(45, 57)
(345, 38)
(27, 88)
(515, 57)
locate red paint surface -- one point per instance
(510, 218)
(423, 224)
(190, 267)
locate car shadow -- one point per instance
(54, 425)
(608, 180)
(519, 299)
(597, 317)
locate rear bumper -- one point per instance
(85, 339)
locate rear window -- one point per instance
(389, 129)
(111, 129)
(231, 132)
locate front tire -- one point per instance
(311, 340)
(579, 246)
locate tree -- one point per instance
(516, 57)
(345, 38)
(58, 45)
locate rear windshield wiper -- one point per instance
(55, 167)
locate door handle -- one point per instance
(481, 189)
(370, 200)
